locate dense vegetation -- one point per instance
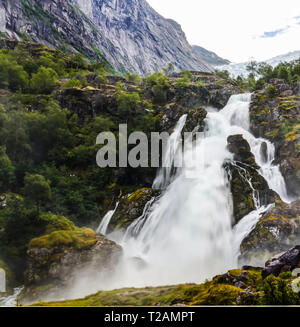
(48, 152)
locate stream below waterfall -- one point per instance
(186, 235)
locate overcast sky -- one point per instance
(237, 30)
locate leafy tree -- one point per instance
(252, 68)
(284, 73)
(133, 78)
(44, 80)
(12, 75)
(37, 189)
(72, 83)
(127, 103)
(169, 69)
(271, 91)
(7, 171)
(159, 84)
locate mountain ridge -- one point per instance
(237, 69)
(210, 57)
(130, 35)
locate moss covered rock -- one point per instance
(276, 231)
(277, 118)
(56, 259)
(130, 208)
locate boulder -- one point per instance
(283, 263)
(56, 260)
(59, 255)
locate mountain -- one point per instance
(210, 57)
(241, 68)
(129, 34)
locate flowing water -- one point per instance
(102, 229)
(186, 235)
(12, 300)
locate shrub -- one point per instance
(127, 103)
(72, 83)
(44, 80)
(271, 91)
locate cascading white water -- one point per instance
(187, 235)
(102, 229)
(166, 173)
(11, 301)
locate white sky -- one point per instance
(233, 28)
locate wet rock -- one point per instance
(277, 230)
(283, 263)
(130, 208)
(247, 185)
(241, 150)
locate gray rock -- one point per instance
(130, 35)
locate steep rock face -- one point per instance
(130, 35)
(275, 115)
(244, 170)
(210, 57)
(277, 230)
(146, 40)
(56, 23)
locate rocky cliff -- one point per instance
(130, 35)
(210, 57)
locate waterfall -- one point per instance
(102, 229)
(166, 173)
(186, 235)
(11, 301)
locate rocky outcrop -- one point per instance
(203, 90)
(55, 260)
(275, 115)
(288, 261)
(130, 35)
(247, 185)
(277, 230)
(130, 208)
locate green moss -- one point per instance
(136, 196)
(56, 223)
(205, 294)
(80, 238)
